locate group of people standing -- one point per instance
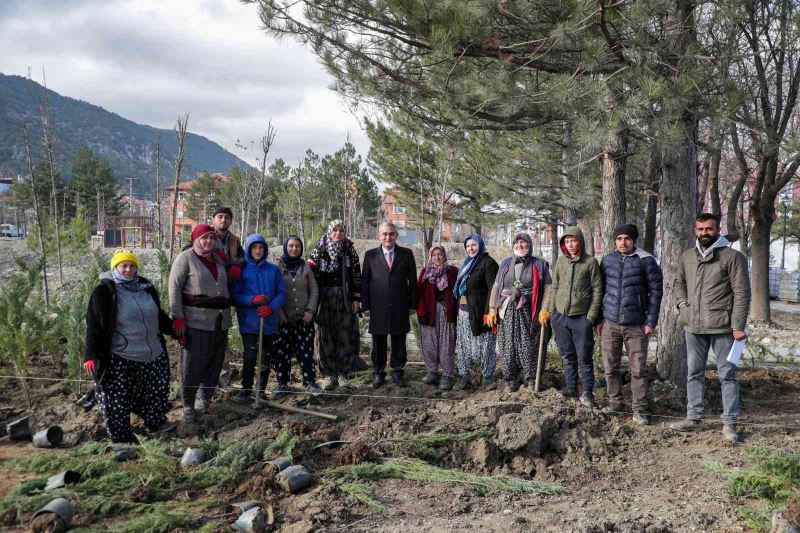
(467, 316)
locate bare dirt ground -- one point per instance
(618, 477)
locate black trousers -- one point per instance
(250, 356)
(399, 354)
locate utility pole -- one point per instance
(130, 195)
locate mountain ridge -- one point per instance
(128, 146)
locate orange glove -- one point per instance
(544, 317)
(490, 319)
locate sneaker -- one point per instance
(279, 392)
(729, 433)
(446, 383)
(189, 414)
(462, 383)
(328, 383)
(163, 428)
(378, 381)
(641, 418)
(612, 409)
(398, 380)
(242, 398)
(314, 390)
(490, 384)
(569, 394)
(342, 381)
(587, 400)
(430, 378)
(687, 424)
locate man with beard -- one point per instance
(227, 245)
(713, 294)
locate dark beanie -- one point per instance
(627, 229)
(222, 209)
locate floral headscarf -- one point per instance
(436, 275)
(333, 248)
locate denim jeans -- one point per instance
(697, 346)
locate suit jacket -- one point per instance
(389, 294)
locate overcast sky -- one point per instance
(152, 60)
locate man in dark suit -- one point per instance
(388, 297)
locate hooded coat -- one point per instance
(577, 282)
(713, 289)
(258, 277)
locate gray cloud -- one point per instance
(151, 61)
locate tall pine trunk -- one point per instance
(613, 167)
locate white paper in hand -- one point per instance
(735, 355)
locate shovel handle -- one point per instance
(539, 360)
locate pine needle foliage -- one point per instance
(428, 446)
(771, 482)
(361, 493)
(106, 486)
(416, 470)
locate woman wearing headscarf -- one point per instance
(521, 287)
(259, 296)
(201, 316)
(334, 261)
(474, 337)
(437, 311)
(296, 333)
(125, 349)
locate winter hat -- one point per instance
(120, 256)
(200, 230)
(222, 209)
(626, 229)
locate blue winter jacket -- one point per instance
(633, 288)
(258, 278)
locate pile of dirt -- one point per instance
(353, 453)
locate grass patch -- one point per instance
(771, 482)
(416, 470)
(427, 446)
(106, 485)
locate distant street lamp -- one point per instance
(785, 206)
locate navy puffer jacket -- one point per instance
(633, 287)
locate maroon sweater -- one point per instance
(426, 301)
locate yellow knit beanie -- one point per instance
(121, 256)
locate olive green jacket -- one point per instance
(712, 289)
(577, 287)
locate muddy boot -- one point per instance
(569, 394)
(587, 400)
(241, 398)
(462, 383)
(687, 424)
(430, 378)
(166, 427)
(279, 392)
(729, 433)
(490, 384)
(446, 383)
(189, 414)
(641, 418)
(514, 385)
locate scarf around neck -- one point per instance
(333, 248)
(469, 265)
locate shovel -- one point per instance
(258, 360)
(539, 361)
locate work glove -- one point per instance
(490, 319)
(259, 299)
(234, 272)
(91, 366)
(544, 317)
(264, 311)
(179, 326)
